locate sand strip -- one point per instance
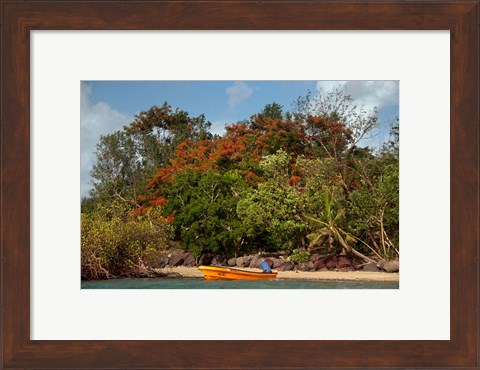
(317, 275)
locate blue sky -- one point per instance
(221, 101)
(106, 106)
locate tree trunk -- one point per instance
(358, 254)
(351, 250)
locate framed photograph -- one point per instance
(58, 60)
(278, 214)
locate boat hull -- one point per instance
(226, 273)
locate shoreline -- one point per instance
(194, 272)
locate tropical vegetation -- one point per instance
(296, 181)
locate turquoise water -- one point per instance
(195, 283)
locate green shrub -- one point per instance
(115, 244)
(299, 255)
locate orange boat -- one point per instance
(227, 273)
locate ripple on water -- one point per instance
(197, 283)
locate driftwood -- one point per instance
(144, 271)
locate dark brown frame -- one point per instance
(20, 17)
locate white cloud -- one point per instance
(237, 93)
(95, 120)
(218, 126)
(370, 94)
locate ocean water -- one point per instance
(200, 283)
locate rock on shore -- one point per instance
(277, 261)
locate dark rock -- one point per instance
(232, 262)
(319, 264)
(205, 260)
(247, 260)
(288, 266)
(323, 269)
(277, 262)
(391, 266)
(305, 266)
(357, 262)
(176, 260)
(315, 257)
(372, 267)
(218, 260)
(240, 262)
(299, 266)
(331, 261)
(349, 268)
(343, 262)
(160, 262)
(189, 260)
(331, 264)
(253, 262)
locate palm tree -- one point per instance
(329, 227)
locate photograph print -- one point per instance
(240, 184)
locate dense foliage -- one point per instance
(294, 181)
(115, 244)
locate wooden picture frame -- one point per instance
(19, 18)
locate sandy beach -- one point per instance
(317, 275)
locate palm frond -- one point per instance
(339, 216)
(316, 220)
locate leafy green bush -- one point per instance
(299, 255)
(205, 211)
(273, 213)
(114, 244)
(374, 211)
